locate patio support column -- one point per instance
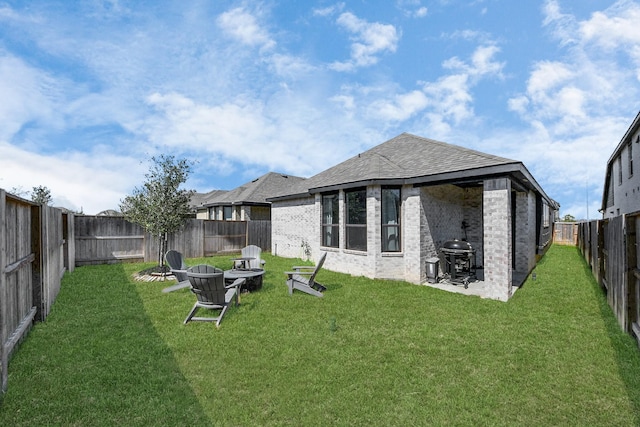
(414, 229)
(498, 251)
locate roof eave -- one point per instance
(288, 197)
(516, 170)
(236, 203)
(356, 184)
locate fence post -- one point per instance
(630, 273)
(38, 267)
(4, 362)
(601, 256)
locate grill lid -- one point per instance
(457, 244)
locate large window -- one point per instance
(227, 213)
(630, 146)
(356, 219)
(390, 219)
(330, 220)
(545, 215)
(619, 170)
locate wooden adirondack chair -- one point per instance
(207, 283)
(251, 251)
(303, 279)
(179, 270)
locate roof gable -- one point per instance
(201, 199)
(404, 157)
(256, 191)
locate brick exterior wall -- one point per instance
(497, 238)
(445, 208)
(414, 227)
(429, 217)
(292, 223)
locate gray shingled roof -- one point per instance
(201, 199)
(256, 191)
(410, 159)
(402, 158)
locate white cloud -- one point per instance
(91, 181)
(244, 27)
(570, 91)
(369, 40)
(329, 10)
(448, 99)
(27, 95)
(451, 97)
(420, 12)
(563, 25)
(574, 104)
(412, 8)
(291, 67)
(402, 106)
(617, 30)
(518, 104)
(278, 135)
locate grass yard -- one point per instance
(115, 352)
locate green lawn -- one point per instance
(115, 352)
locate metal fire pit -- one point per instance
(460, 262)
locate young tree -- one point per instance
(160, 206)
(41, 195)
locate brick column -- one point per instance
(413, 233)
(497, 238)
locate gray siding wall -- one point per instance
(626, 193)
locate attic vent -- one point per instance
(255, 180)
(285, 176)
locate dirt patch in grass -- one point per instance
(157, 273)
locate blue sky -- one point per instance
(91, 90)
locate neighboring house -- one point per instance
(385, 212)
(247, 202)
(109, 212)
(622, 186)
(199, 200)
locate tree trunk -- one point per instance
(160, 250)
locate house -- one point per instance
(199, 201)
(622, 187)
(246, 202)
(385, 212)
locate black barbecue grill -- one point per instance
(459, 262)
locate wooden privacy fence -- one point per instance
(565, 233)
(610, 248)
(34, 253)
(39, 243)
(104, 239)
